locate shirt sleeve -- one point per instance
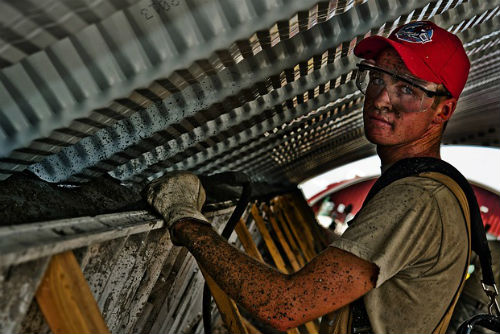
(399, 227)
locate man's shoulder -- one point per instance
(416, 192)
(420, 184)
(416, 184)
(408, 192)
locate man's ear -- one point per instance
(444, 110)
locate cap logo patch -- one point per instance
(417, 32)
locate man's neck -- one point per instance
(391, 154)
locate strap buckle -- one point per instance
(492, 292)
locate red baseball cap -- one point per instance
(430, 53)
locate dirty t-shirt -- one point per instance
(415, 232)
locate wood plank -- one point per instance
(292, 224)
(300, 224)
(188, 324)
(311, 326)
(288, 234)
(17, 289)
(161, 300)
(34, 321)
(141, 322)
(270, 244)
(101, 269)
(180, 294)
(227, 307)
(66, 300)
(304, 226)
(247, 241)
(302, 246)
(309, 215)
(281, 238)
(307, 224)
(251, 248)
(83, 254)
(252, 329)
(181, 289)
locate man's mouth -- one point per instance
(379, 121)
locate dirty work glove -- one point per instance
(176, 196)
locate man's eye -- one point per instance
(407, 89)
(376, 80)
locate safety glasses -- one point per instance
(406, 93)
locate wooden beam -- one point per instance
(301, 222)
(281, 238)
(291, 240)
(227, 307)
(65, 298)
(251, 328)
(304, 211)
(292, 224)
(271, 245)
(251, 248)
(311, 326)
(306, 247)
(247, 241)
(309, 215)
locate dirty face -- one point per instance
(385, 124)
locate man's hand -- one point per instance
(177, 196)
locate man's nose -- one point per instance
(382, 99)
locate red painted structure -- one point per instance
(355, 190)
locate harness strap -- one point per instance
(464, 204)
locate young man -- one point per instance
(406, 250)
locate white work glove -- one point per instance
(177, 196)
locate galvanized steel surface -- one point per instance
(264, 87)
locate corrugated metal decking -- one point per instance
(263, 86)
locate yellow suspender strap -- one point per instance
(462, 199)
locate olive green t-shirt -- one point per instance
(415, 232)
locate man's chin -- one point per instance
(377, 138)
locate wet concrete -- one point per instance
(25, 198)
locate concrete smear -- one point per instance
(25, 198)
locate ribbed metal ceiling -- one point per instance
(135, 89)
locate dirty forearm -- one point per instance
(332, 279)
(249, 282)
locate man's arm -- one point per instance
(331, 280)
